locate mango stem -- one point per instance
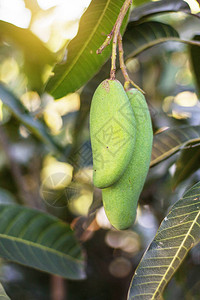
(114, 34)
(128, 81)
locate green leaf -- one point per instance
(3, 295)
(36, 55)
(170, 141)
(140, 2)
(20, 112)
(138, 38)
(82, 61)
(163, 6)
(39, 240)
(195, 61)
(187, 164)
(178, 233)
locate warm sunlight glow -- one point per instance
(67, 10)
(52, 171)
(56, 22)
(194, 6)
(56, 109)
(14, 11)
(186, 99)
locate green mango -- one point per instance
(112, 132)
(120, 200)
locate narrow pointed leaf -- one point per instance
(82, 61)
(20, 112)
(187, 164)
(172, 140)
(143, 36)
(177, 234)
(39, 240)
(3, 295)
(163, 6)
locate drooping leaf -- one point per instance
(36, 55)
(187, 164)
(178, 233)
(195, 61)
(82, 61)
(3, 295)
(143, 36)
(20, 112)
(39, 240)
(157, 7)
(170, 141)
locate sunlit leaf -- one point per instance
(195, 61)
(140, 2)
(36, 55)
(3, 295)
(170, 141)
(82, 61)
(38, 240)
(178, 233)
(187, 164)
(20, 112)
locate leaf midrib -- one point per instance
(173, 150)
(159, 41)
(42, 247)
(80, 53)
(171, 264)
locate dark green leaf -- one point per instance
(187, 164)
(163, 6)
(172, 140)
(82, 61)
(143, 36)
(3, 295)
(38, 240)
(178, 233)
(37, 56)
(19, 111)
(195, 61)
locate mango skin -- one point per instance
(120, 200)
(112, 132)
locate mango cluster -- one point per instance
(121, 137)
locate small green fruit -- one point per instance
(112, 132)
(120, 200)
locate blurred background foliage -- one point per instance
(58, 179)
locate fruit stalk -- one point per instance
(118, 24)
(128, 81)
